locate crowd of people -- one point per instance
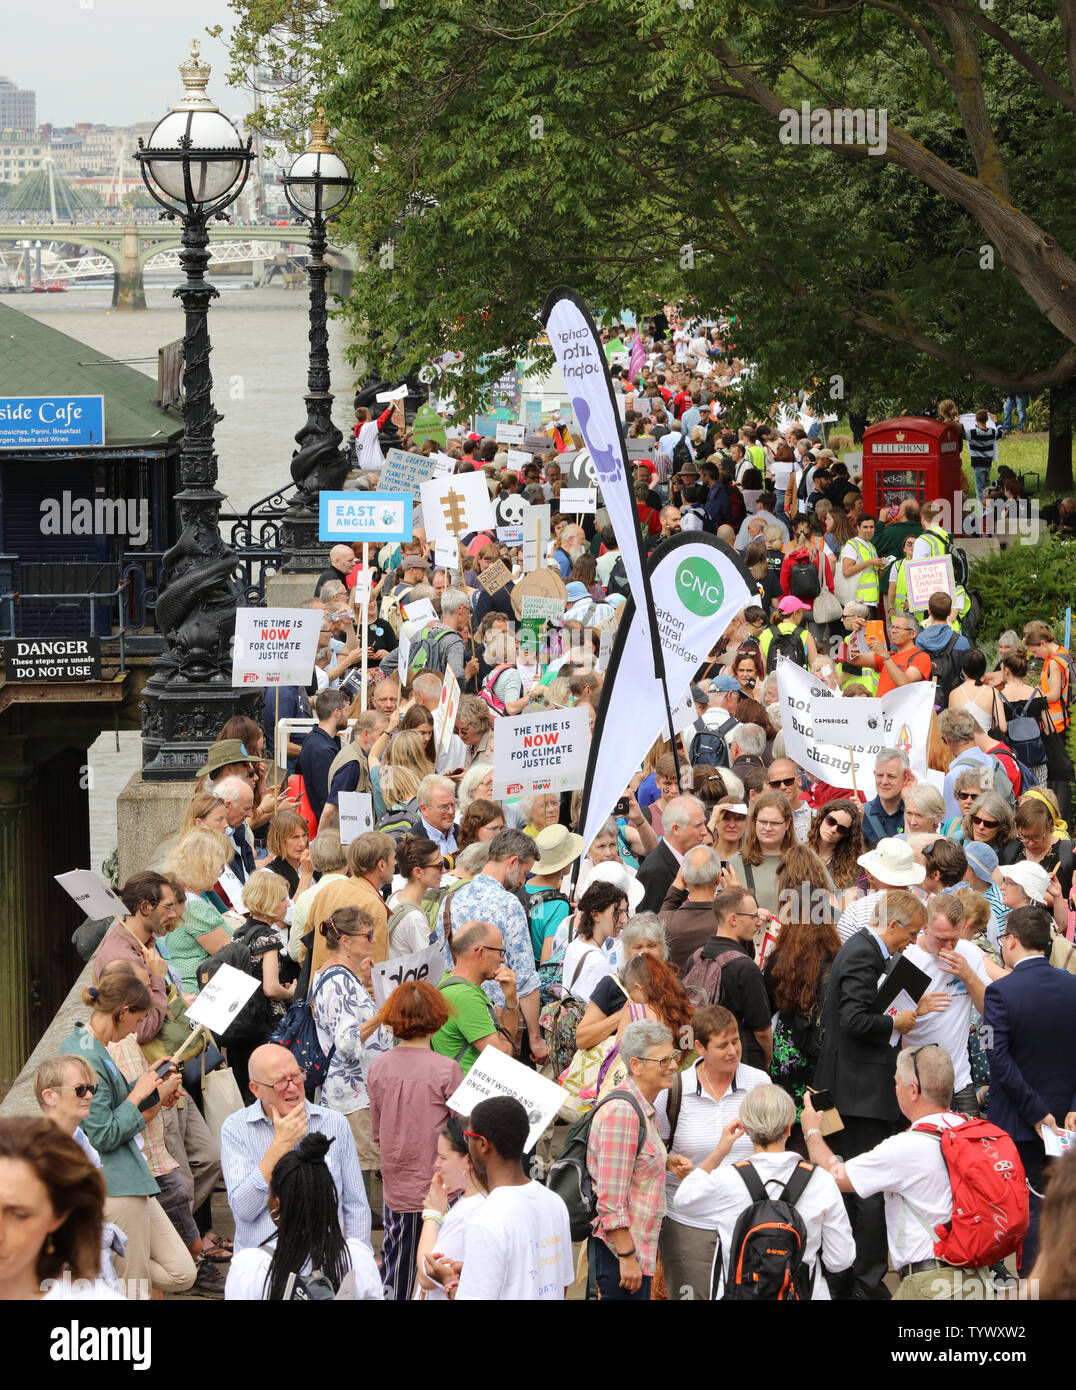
(758, 991)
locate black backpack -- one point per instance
(788, 644)
(708, 748)
(682, 457)
(766, 1257)
(947, 670)
(803, 580)
(569, 1177)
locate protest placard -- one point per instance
(535, 523)
(578, 501)
(849, 723)
(92, 894)
(510, 535)
(497, 1074)
(275, 646)
(421, 611)
(496, 577)
(509, 434)
(364, 516)
(443, 465)
(542, 583)
(455, 505)
(427, 424)
(540, 752)
(519, 458)
(222, 997)
(542, 608)
(397, 393)
(356, 815)
(448, 703)
(427, 964)
(403, 472)
(931, 576)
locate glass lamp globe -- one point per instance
(308, 170)
(194, 122)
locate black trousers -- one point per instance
(865, 1280)
(1033, 1157)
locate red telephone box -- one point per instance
(911, 457)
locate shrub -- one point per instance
(1025, 582)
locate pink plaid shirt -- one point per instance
(131, 1060)
(630, 1191)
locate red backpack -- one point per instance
(990, 1201)
(486, 694)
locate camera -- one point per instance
(751, 683)
(622, 807)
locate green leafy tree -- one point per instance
(633, 149)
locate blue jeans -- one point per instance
(982, 480)
(605, 1272)
(1020, 402)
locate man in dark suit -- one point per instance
(857, 1065)
(1029, 1019)
(684, 825)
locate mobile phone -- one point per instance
(622, 807)
(165, 1069)
(154, 1098)
(821, 1100)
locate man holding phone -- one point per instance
(905, 663)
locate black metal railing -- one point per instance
(21, 616)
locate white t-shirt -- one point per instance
(605, 565)
(781, 474)
(948, 1027)
(915, 1162)
(450, 1240)
(368, 455)
(248, 1268)
(595, 966)
(517, 1246)
(411, 933)
(714, 1201)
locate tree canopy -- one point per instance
(632, 149)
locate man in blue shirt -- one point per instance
(883, 817)
(252, 1142)
(322, 745)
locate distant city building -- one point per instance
(18, 109)
(21, 154)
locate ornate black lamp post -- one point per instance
(195, 165)
(316, 186)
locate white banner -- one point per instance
(453, 506)
(699, 585)
(497, 1074)
(541, 753)
(578, 501)
(581, 358)
(427, 964)
(222, 998)
(906, 725)
(275, 646)
(356, 815)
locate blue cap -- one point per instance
(577, 590)
(726, 684)
(982, 859)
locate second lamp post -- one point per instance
(316, 186)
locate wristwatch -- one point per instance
(512, 1008)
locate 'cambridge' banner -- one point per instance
(581, 359)
(699, 585)
(905, 725)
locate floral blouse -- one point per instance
(341, 1005)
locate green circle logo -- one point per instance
(699, 586)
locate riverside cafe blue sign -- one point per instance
(52, 422)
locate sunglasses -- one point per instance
(82, 1090)
(783, 781)
(838, 825)
(986, 824)
(915, 1064)
(966, 796)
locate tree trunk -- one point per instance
(1059, 456)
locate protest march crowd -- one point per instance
(804, 1039)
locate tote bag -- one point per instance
(220, 1097)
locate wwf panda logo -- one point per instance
(581, 471)
(510, 510)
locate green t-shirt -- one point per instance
(473, 1019)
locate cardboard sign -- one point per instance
(544, 583)
(403, 472)
(543, 609)
(275, 646)
(575, 501)
(448, 703)
(540, 752)
(509, 434)
(222, 998)
(364, 516)
(930, 576)
(92, 894)
(427, 964)
(495, 578)
(453, 506)
(519, 458)
(497, 1074)
(356, 815)
(605, 648)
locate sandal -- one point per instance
(216, 1248)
